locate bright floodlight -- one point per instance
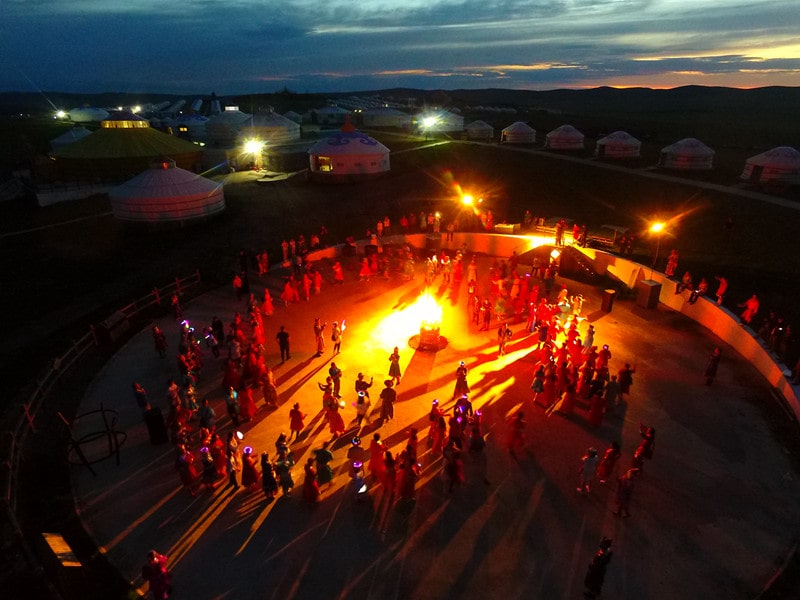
(136, 109)
(429, 122)
(253, 146)
(555, 254)
(467, 199)
(657, 227)
(60, 114)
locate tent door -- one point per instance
(755, 174)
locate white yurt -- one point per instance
(347, 155)
(87, 114)
(777, 163)
(330, 115)
(69, 137)
(293, 116)
(688, 153)
(165, 193)
(518, 133)
(565, 137)
(479, 130)
(271, 128)
(223, 129)
(385, 117)
(440, 121)
(619, 144)
(189, 126)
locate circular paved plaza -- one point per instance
(710, 514)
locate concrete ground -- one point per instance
(709, 517)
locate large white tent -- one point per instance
(223, 129)
(440, 121)
(688, 153)
(385, 117)
(165, 193)
(518, 133)
(479, 130)
(565, 137)
(70, 136)
(271, 128)
(347, 155)
(619, 144)
(88, 114)
(771, 165)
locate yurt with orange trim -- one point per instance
(687, 154)
(772, 165)
(565, 137)
(347, 155)
(619, 144)
(165, 193)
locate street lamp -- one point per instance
(656, 228)
(427, 124)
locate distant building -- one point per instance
(687, 154)
(778, 164)
(165, 193)
(385, 117)
(565, 137)
(87, 114)
(329, 115)
(347, 155)
(479, 130)
(518, 133)
(618, 145)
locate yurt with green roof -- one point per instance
(124, 146)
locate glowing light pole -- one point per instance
(656, 228)
(427, 124)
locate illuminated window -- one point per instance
(324, 163)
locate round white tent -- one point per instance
(347, 155)
(688, 153)
(479, 130)
(565, 137)
(777, 163)
(271, 128)
(619, 144)
(518, 133)
(69, 137)
(87, 114)
(223, 129)
(189, 125)
(165, 193)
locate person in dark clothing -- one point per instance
(712, 365)
(596, 573)
(283, 343)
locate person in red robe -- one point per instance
(310, 485)
(157, 575)
(247, 404)
(296, 424)
(250, 476)
(597, 406)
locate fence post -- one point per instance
(158, 296)
(178, 285)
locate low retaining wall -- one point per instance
(719, 320)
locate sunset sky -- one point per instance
(253, 46)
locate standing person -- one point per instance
(648, 444)
(462, 387)
(206, 416)
(672, 264)
(283, 343)
(597, 406)
(609, 461)
(624, 492)
(232, 404)
(722, 287)
(319, 327)
(503, 333)
(388, 398)
(159, 341)
(336, 338)
(250, 475)
(625, 378)
(268, 482)
(712, 365)
(335, 373)
(361, 384)
(394, 366)
(283, 469)
(233, 467)
(338, 273)
(140, 395)
(389, 474)
(296, 424)
(377, 450)
(323, 456)
(751, 306)
(587, 471)
(310, 485)
(486, 311)
(157, 575)
(596, 573)
(516, 435)
(362, 408)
